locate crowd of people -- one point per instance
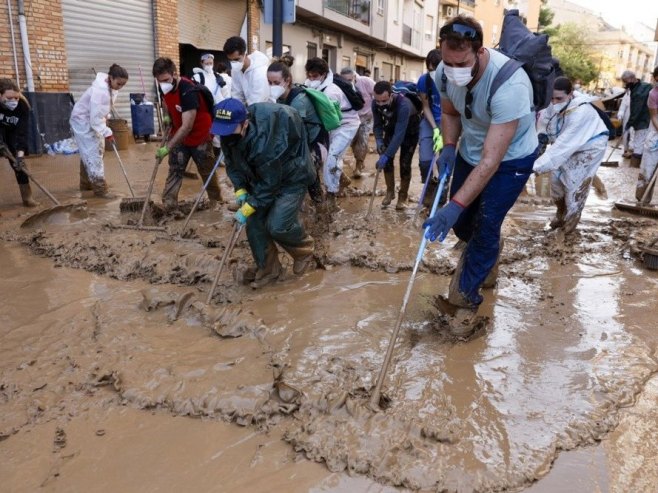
(281, 140)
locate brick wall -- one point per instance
(253, 26)
(45, 29)
(166, 28)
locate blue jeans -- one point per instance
(480, 223)
(425, 148)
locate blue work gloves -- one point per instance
(447, 159)
(381, 148)
(243, 213)
(241, 196)
(382, 161)
(440, 224)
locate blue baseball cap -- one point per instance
(228, 114)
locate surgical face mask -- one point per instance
(432, 74)
(237, 65)
(277, 91)
(557, 107)
(313, 84)
(459, 76)
(207, 68)
(166, 87)
(11, 104)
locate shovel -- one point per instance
(376, 395)
(237, 229)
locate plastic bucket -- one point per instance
(122, 134)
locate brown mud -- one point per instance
(107, 351)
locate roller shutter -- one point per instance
(206, 24)
(99, 33)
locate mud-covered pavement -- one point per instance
(115, 376)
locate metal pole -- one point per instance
(13, 43)
(22, 24)
(277, 27)
(203, 190)
(374, 192)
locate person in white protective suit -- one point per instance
(320, 77)
(249, 72)
(650, 154)
(216, 84)
(623, 114)
(579, 139)
(90, 130)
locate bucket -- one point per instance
(122, 134)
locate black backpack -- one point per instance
(612, 131)
(410, 90)
(205, 93)
(353, 95)
(218, 77)
(529, 51)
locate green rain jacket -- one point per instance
(272, 157)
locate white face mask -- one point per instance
(432, 74)
(557, 107)
(459, 76)
(313, 84)
(11, 104)
(207, 68)
(166, 87)
(277, 91)
(237, 65)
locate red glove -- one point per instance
(110, 140)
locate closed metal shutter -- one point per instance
(206, 24)
(99, 33)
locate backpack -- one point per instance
(612, 131)
(410, 90)
(327, 109)
(218, 77)
(351, 93)
(530, 51)
(205, 92)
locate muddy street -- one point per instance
(116, 376)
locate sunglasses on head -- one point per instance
(467, 108)
(458, 31)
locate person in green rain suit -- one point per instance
(268, 161)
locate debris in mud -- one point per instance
(60, 439)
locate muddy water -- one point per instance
(108, 354)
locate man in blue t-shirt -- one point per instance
(430, 140)
(497, 148)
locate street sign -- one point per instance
(288, 11)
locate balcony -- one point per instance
(358, 10)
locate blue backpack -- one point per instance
(410, 90)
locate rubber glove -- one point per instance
(241, 196)
(109, 140)
(438, 139)
(166, 120)
(447, 159)
(243, 213)
(161, 152)
(382, 161)
(381, 148)
(442, 222)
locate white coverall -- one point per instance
(648, 164)
(579, 140)
(251, 86)
(623, 114)
(339, 139)
(218, 93)
(89, 127)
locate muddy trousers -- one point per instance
(480, 223)
(21, 176)
(92, 147)
(360, 141)
(570, 183)
(648, 165)
(339, 140)
(425, 149)
(204, 158)
(279, 223)
(639, 137)
(407, 150)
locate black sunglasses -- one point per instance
(459, 31)
(467, 108)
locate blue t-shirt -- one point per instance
(512, 101)
(435, 97)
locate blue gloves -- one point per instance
(240, 217)
(381, 148)
(382, 161)
(440, 224)
(447, 159)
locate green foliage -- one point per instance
(572, 46)
(546, 16)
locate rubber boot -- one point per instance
(100, 189)
(455, 297)
(403, 194)
(636, 159)
(558, 220)
(170, 192)
(302, 255)
(315, 191)
(26, 195)
(627, 154)
(332, 206)
(343, 184)
(85, 184)
(272, 269)
(492, 278)
(358, 168)
(390, 188)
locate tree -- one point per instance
(546, 16)
(572, 46)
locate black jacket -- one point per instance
(394, 125)
(14, 126)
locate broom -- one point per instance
(642, 207)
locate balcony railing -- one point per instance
(358, 10)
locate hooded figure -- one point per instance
(579, 140)
(90, 130)
(269, 164)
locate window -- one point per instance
(380, 7)
(346, 62)
(311, 50)
(396, 11)
(268, 49)
(429, 27)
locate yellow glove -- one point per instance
(241, 196)
(243, 213)
(438, 139)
